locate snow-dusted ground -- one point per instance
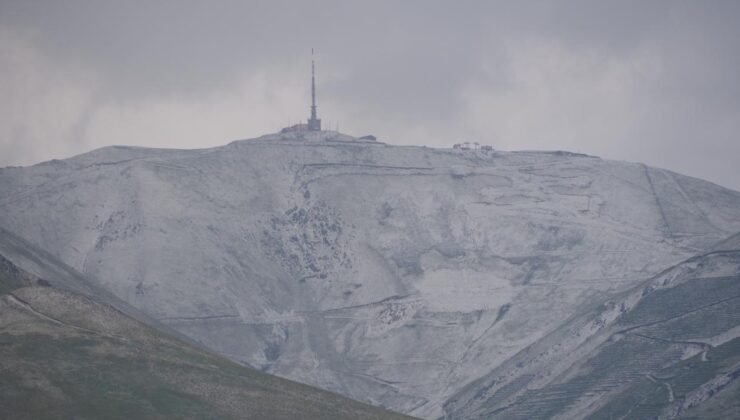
(394, 275)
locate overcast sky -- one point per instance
(650, 81)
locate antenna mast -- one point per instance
(313, 87)
(314, 123)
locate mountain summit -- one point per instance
(434, 282)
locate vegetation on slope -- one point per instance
(64, 355)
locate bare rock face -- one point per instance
(407, 277)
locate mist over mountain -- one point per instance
(433, 282)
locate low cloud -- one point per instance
(42, 105)
(259, 103)
(653, 83)
(56, 110)
(548, 96)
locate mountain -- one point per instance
(66, 354)
(668, 348)
(408, 277)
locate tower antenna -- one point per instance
(314, 123)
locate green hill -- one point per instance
(66, 355)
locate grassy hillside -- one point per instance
(64, 355)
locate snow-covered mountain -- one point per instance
(414, 278)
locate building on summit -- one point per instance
(473, 146)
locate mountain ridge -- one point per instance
(393, 274)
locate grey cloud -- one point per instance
(414, 72)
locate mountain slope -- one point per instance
(394, 275)
(668, 348)
(65, 355)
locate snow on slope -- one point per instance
(394, 275)
(645, 353)
(70, 355)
